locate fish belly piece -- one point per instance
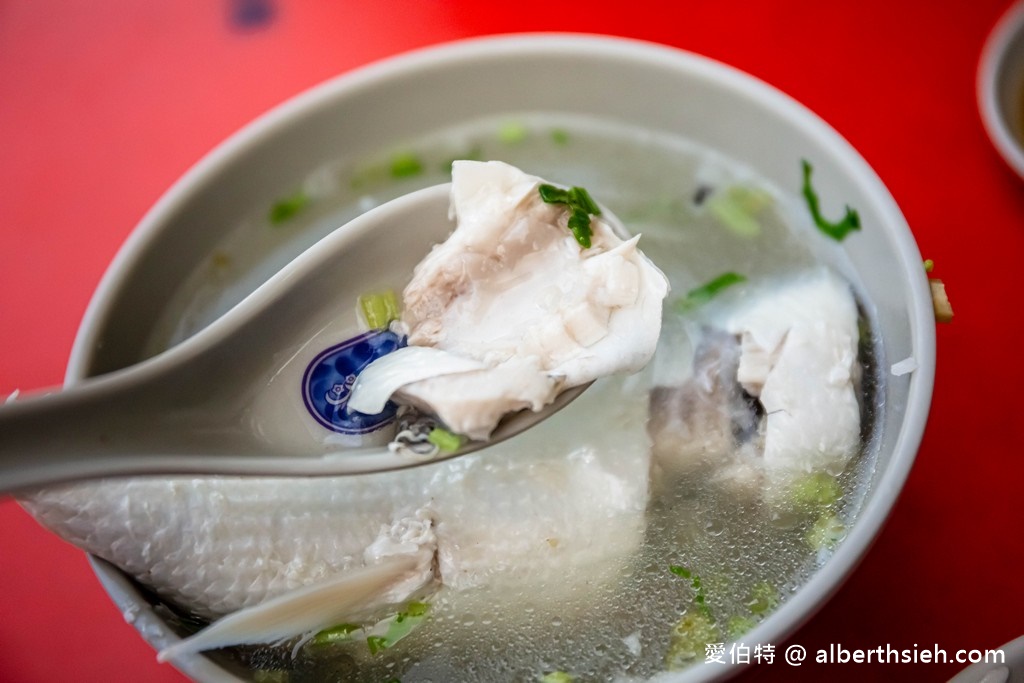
(799, 357)
(558, 506)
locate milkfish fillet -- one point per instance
(560, 506)
(773, 390)
(514, 294)
(798, 356)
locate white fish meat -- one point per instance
(513, 290)
(791, 346)
(798, 356)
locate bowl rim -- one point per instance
(995, 49)
(826, 580)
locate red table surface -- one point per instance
(103, 105)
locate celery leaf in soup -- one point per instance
(699, 296)
(288, 207)
(836, 230)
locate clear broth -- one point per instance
(665, 188)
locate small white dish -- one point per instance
(1000, 87)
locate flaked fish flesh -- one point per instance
(514, 309)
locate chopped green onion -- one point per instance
(512, 132)
(335, 634)
(738, 625)
(763, 599)
(690, 639)
(695, 582)
(406, 165)
(680, 571)
(416, 609)
(816, 489)
(737, 209)
(579, 224)
(826, 532)
(698, 296)
(580, 199)
(287, 207)
(377, 644)
(835, 230)
(379, 308)
(581, 207)
(445, 440)
(401, 625)
(929, 265)
(560, 137)
(557, 677)
(553, 195)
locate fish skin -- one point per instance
(551, 504)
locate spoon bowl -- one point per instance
(200, 407)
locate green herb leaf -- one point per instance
(553, 195)
(287, 207)
(417, 609)
(559, 136)
(689, 640)
(406, 165)
(738, 625)
(835, 230)
(512, 132)
(763, 599)
(581, 207)
(557, 677)
(816, 489)
(738, 207)
(377, 644)
(579, 224)
(680, 571)
(400, 626)
(581, 200)
(445, 440)
(826, 532)
(379, 308)
(698, 296)
(695, 583)
(335, 634)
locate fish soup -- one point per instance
(614, 541)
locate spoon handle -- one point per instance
(114, 424)
(92, 431)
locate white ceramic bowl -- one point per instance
(642, 84)
(1000, 87)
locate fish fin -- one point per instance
(308, 609)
